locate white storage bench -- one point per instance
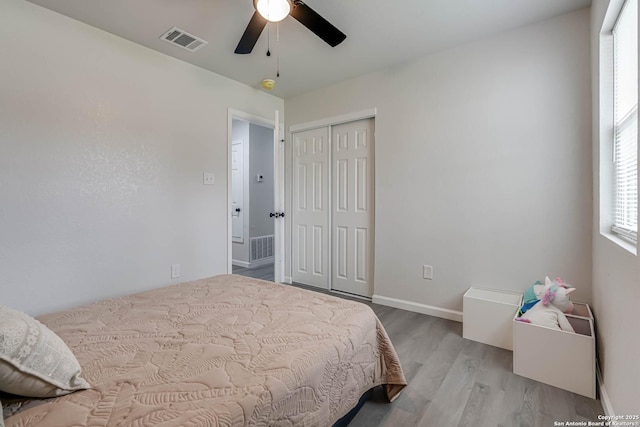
(488, 316)
(562, 359)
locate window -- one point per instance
(625, 93)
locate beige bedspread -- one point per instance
(223, 351)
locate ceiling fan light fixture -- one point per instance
(273, 10)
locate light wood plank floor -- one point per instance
(458, 382)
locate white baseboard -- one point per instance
(253, 264)
(287, 279)
(260, 262)
(444, 313)
(604, 397)
(239, 263)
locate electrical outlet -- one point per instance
(208, 178)
(175, 271)
(427, 272)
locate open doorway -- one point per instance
(252, 199)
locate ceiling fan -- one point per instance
(277, 10)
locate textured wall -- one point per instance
(102, 148)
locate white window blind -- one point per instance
(625, 42)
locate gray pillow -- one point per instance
(34, 361)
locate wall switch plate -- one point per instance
(208, 178)
(175, 271)
(427, 272)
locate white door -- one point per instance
(237, 191)
(278, 199)
(353, 204)
(310, 205)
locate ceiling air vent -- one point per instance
(183, 39)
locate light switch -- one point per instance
(175, 271)
(427, 272)
(208, 178)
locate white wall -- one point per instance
(616, 272)
(261, 193)
(102, 148)
(483, 163)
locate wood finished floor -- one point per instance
(265, 272)
(458, 382)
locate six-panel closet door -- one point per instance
(333, 204)
(310, 233)
(352, 207)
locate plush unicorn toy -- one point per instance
(554, 303)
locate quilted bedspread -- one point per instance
(223, 351)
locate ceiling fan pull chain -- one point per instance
(268, 40)
(277, 49)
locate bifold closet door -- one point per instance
(310, 205)
(352, 208)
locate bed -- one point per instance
(222, 351)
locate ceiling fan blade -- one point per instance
(251, 34)
(317, 24)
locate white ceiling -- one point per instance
(380, 33)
